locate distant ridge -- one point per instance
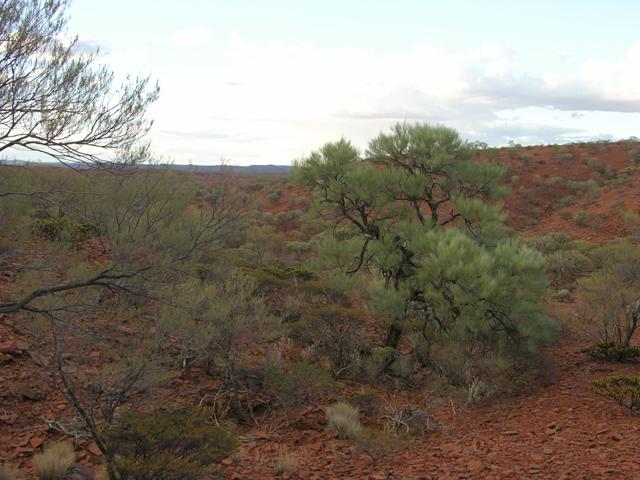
(245, 170)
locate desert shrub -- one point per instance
(553, 181)
(582, 219)
(596, 164)
(565, 201)
(566, 216)
(624, 390)
(344, 419)
(364, 401)
(614, 352)
(564, 267)
(370, 367)
(336, 332)
(274, 194)
(9, 472)
(254, 187)
(515, 179)
(215, 321)
(611, 293)
(300, 382)
(526, 157)
(632, 223)
(550, 243)
(62, 228)
(286, 461)
(54, 462)
(268, 218)
(582, 186)
(174, 444)
(406, 419)
(451, 362)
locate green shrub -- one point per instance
(582, 219)
(370, 367)
(62, 228)
(54, 462)
(596, 164)
(343, 419)
(564, 267)
(549, 243)
(336, 332)
(624, 390)
(583, 186)
(274, 195)
(613, 352)
(175, 444)
(296, 385)
(553, 181)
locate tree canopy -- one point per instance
(418, 211)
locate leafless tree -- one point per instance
(56, 100)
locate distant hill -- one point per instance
(245, 170)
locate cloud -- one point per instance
(190, 37)
(87, 45)
(296, 96)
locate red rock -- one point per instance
(227, 462)
(94, 450)
(13, 347)
(36, 442)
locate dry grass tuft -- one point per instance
(287, 461)
(343, 418)
(54, 462)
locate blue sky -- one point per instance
(270, 81)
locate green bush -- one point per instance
(549, 243)
(564, 267)
(336, 332)
(582, 219)
(613, 352)
(62, 228)
(173, 444)
(625, 390)
(302, 381)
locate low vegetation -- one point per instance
(624, 390)
(55, 462)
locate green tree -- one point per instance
(417, 214)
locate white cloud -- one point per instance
(190, 37)
(289, 98)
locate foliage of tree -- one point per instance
(417, 214)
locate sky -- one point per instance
(270, 81)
